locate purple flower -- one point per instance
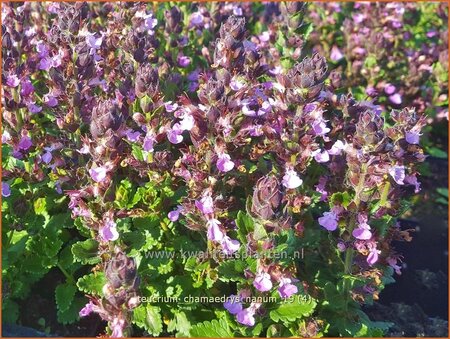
(398, 173)
(117, 326)
(246, 317)
(363, 231)
(108, 231)
(42, 50)
(175, 134)
(286, 288)
(33, 108)
(214, 232)
(336, 54)
(45, 64)
(372, 258)
(26, 87)
(175, 214)
(320, 127)
(224, 163)
(187, 123)
(236, 85)
(320, 156)
(396, 99)
(262, 282)
(320, 187)
(393, 263)
(341, 246)
(412, 180)
(183, 61)
(93, 42)
(205, 205)
(98, 174)
(329, 220)
(25, 143)
(337, 148)
(6, 189)
(149, 142)
(47, 157)
(232, 304)
(12, 80)
(237, 11)
(196, 19)
(291, 180)
(87, 309)
(389, 89)
(412, 137)
(229, 245)
(50, 100)
(132, 136)
(170, 107)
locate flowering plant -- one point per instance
(170, 131)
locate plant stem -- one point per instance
(349, 252)
(68, 276)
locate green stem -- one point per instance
(348, 262)
(68, 276)
(10, 238)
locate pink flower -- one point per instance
(229, 245)
(336, 54)
(236, 85)
(262, 282)
(389, 89)
(232, 304)
(320, 187)
(398, 173)
(117, 327)
(246, 317)
(87, 309)
(329, 220)
(205, 205)
(6, 189)
(47, 157)
(291, 180)
(396, 99)
(363, 231)
(224, 163)
(372, 258)
(341, 246)
(98, 174)
(286, 288)
(214, 232)
(12, 80)
(108, 231)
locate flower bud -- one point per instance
(266, 197)
(147, 81)
(105, 115)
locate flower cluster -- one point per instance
(166, 126)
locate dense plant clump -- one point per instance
(195, 170)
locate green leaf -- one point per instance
(86, 251)
(148, 317)
(211, 329)
(245, 225)
(92, 283)
(341, 198)
(442, 191)
(290, 310)
(180, 323)
(232, 270)
(64, 295)
(71, 315)
(438, 153)
(10, 311)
